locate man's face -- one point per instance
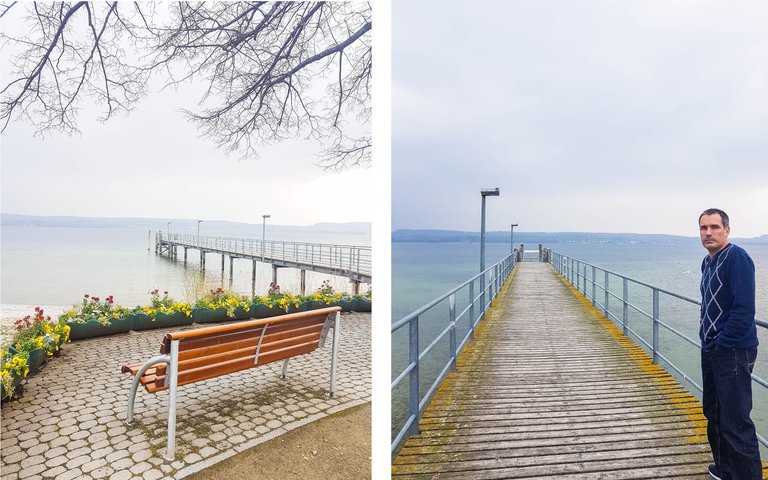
(713, 235)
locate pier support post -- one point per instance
(355, 287)
(185, 255)
(202, 260)
(253, 279)
(274, 274)
(231, 270)
(303, 281)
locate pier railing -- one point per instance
(467, 304)
(350, 258)
(595, 283)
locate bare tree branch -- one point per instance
(268, 68)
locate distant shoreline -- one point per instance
(452, 236)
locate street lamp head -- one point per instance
(489, 192)
(513, 225)
(265, 216)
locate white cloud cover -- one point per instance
(588, 115)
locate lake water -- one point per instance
(55, 267)
(422, 272)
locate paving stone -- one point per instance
(56, 461)
(207, 452)
(93, 465)
(121, 475)
(153, 474)
(140, 468)
(21, 455)
(78, 461)
(71, 474)
(142, 455)
(55, 452)
(55, 472)
(31, 470)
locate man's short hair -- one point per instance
(712, 211)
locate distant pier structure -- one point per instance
(350, 261)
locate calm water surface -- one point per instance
(55, 267)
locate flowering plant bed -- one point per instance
(14, 369)
(36, 339)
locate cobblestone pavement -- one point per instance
(70, 422)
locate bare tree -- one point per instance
(270, 70)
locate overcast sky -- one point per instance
(152, 163)
(596, 116)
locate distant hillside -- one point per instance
(181, 225)
(441, 236)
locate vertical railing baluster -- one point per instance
(413, 392)
(452, 319)
(625, 300)
(605, 307)
(594, 285)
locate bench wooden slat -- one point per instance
(221, 353)
(236, 365)
(188, 334)
(207, 346)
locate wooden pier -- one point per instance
(350, 261)
(550, 388)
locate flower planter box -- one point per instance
(363, 305)
(346, 304)
(312, 305)
(142, 321)
(37, 357)
(175, 319)
(206, 315)
(92, 328)
(242, 314)
(263, 311)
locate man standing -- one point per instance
(728, 350)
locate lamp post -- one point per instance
(512, 238)
(169, 230)
(263, 234)
(487, 192)
(198, 229)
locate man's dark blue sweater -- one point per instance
(728, 300)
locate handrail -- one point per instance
(351, 258)
(491, 281)
(576, 273)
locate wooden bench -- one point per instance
(204, 353)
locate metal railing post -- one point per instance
(594, 285)
(452, 319)
(472, 309)
(578, 275)
(413, 384)
(655, 326)
(625, 314)
(605, 306)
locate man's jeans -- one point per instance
(727, 403)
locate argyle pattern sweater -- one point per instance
(728, 300)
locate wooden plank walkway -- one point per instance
(550, 388)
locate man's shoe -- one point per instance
(714, 472)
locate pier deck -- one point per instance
(551, 388)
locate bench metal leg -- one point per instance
(285, 369)
(334, 351)
(135, 384)
(173, 369)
